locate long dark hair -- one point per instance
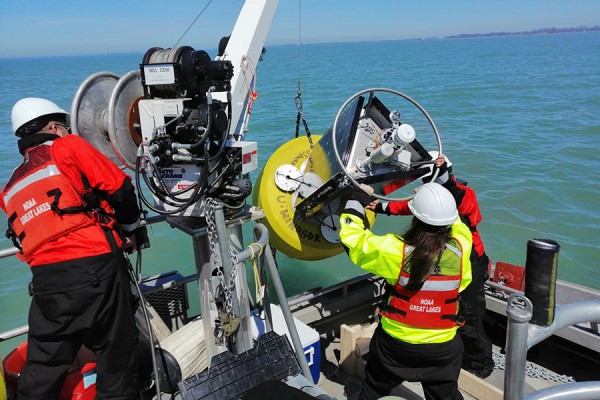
(429, 243)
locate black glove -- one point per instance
(138, 239)
(443, 168)
(382, 207)
(141, 238)
(360, 194)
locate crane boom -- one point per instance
(243, 50)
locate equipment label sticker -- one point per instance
(159, 74)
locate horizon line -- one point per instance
(538, 31)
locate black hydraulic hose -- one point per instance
(147, 203)
(173, 195)
(205, 170)
(157, 191)
(138, 184)
(221, 147)
(194, 197)
(141, 195)
(220, 174)
(175, 202)
(208, 128)
(149, 325)
(163, 188)
(229, 115)
(162, 192)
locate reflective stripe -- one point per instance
(435, 285)
(454, 250)
(50, 170)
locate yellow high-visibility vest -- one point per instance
(384, 256)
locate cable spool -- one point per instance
(124, 119)
(89, 112)
(158, 55)
(310, 239)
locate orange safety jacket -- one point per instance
(45, 212)
(434, 306)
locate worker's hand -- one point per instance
(136, 240)
(441, 164)
(439, 161)
(129, 243)
(379, 207)
(373, 205)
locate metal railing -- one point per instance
(260, 246)
(522, 335)
(11, 251)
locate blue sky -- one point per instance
(66, 27)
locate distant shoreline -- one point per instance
(542, 31)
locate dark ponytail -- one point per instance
(429, 243)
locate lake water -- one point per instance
(519, 117)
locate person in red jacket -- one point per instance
(72, 212)
(477, 356)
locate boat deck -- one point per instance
(351, 304)
(340, 385)
(335, 383)
(331, 311)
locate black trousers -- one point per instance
(99, 316)
(392, 361)
(477, 357)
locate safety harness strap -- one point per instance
(56, 193)
(12, 235)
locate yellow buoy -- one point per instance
(304, 240)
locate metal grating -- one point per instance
(170, 303)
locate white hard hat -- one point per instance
(434, 205)
(26, 111)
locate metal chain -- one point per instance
(533, 371)
(231, 287)
(497, 293)
(209, 215)
(300, 117)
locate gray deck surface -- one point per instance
(340, 385)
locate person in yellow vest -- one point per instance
(426, 268)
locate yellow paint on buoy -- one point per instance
(301, 240)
